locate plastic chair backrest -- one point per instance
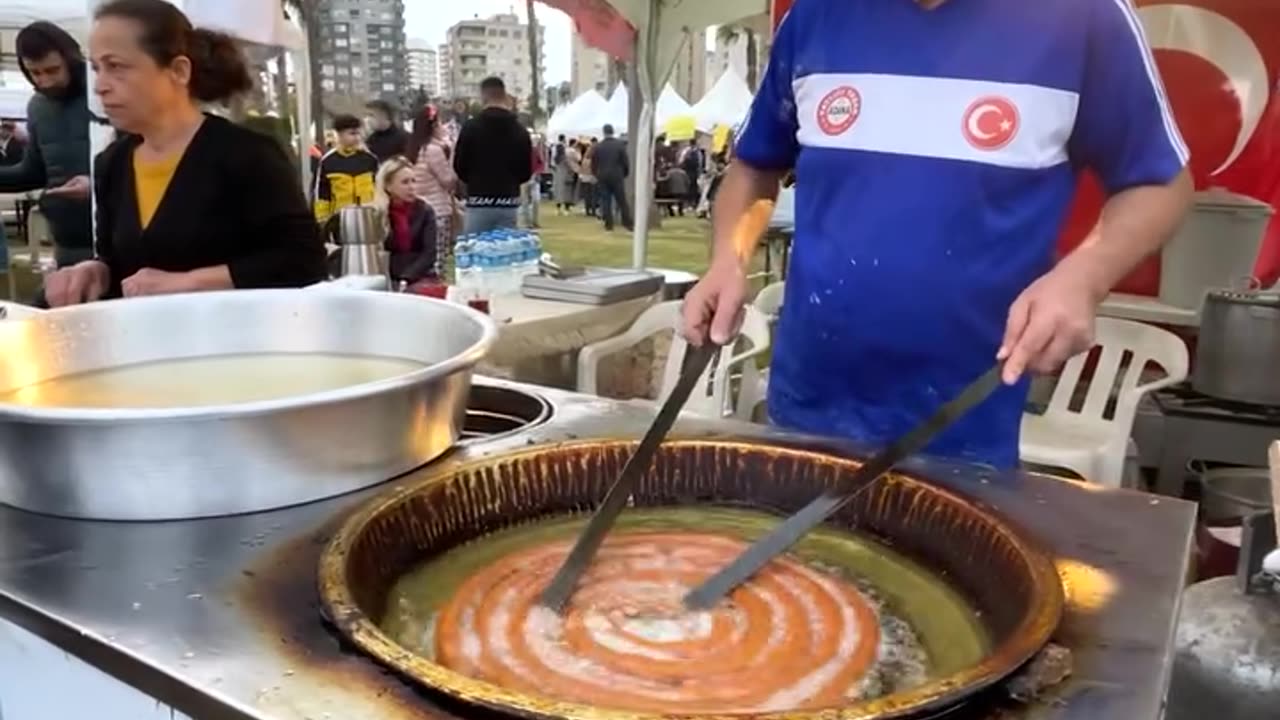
(711, 396)
(769, 299)
(1119, 340)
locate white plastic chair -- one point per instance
(769, 300)
(712, 396)
(755, 389)
(1087, 441)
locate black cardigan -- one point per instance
(234, 199)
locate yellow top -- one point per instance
(151, 179)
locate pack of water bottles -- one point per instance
(495, 262)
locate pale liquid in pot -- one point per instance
(206, 381)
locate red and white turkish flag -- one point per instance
(780, 8)
(1220, 60)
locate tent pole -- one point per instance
(646, 41)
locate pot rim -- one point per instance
(341, 608)
(467, 358)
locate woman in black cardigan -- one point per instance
(186, 201)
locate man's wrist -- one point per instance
(1090, 271)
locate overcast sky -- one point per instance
(431, 20)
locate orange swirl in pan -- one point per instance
(792, 638)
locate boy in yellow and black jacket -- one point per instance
(346, 173)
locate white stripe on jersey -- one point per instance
(929, 117)
(1157, 84)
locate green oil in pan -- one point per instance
(937, 619)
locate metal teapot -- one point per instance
(358, 231)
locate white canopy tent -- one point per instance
(618, 111)
(670, 106)
(579, 117)
(663, 28)
(726, 103)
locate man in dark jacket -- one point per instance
(57, 154)
(388, 138)
(612, 168)
(493, 159)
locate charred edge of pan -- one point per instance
(280, 594)
(966, 545)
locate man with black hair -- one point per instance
(56, 159)
(346, 173)
(493, 159)
(612, 168)
(387, 139)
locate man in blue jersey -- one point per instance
(936, 145)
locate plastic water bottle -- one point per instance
(487, 264)
(530, 252)
(510, 253)
(464, 263)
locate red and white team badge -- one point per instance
(990, 123)
(839, 110)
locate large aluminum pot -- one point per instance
(1239, 347)
(168, 463)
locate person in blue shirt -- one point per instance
(936, 146)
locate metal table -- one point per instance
(219, 619)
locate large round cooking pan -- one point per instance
(1007, 581)
(147, 463)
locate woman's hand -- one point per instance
(83, 282)
(149, 281)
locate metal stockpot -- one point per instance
(1238, 352)
(149, 464)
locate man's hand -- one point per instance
(1049, 323)
(713, 308)
(83, 282)
(149, 281)
(77, 188)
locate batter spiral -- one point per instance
(792, 638)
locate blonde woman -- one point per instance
(430, 151)
(411, 224)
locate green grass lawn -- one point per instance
(681, 243)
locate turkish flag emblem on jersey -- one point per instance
(1220, 60)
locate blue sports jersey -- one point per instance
(936, 154)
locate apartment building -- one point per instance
(444, 69)
(362, 48)
(593, 69)
(589, 68)
(424, 67)
(495, 46)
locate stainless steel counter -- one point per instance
(218, 618)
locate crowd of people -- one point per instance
(188, 200)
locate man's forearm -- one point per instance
(1134, 224)
(742, 189)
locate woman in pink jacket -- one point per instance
(434, 178)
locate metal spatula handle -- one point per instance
(798, 525)
(566, 579)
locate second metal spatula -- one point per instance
(810, 516)
(562, 585)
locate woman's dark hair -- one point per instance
(347, 122)
(219, 71)
(424, 129)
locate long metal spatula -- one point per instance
(797, 526)
(563, 584)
